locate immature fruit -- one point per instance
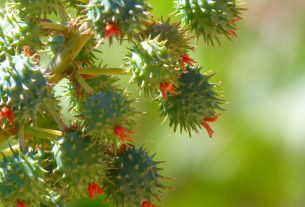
(80, 161)
(23, 87)
(210, 18)
(195, 100)
(36, 8)
(152, 63)
(127, 16)
(16, 33)
(176, 37)
(22, 180)
(133, 178)
(105, 111)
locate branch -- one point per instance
(81, 81)
(104, 71)
(58, 67)
(56, 28)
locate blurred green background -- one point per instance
(257, 155)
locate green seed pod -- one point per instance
(126, 16)
(134, 178)
(210, 18)
(105, 111)
(176, 37)
(23, 87)
(195, 100)
(16, 33)
(36, 8)
(22, 179)
(80, 161)
(152, 63)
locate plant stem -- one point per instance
(56, 116)
(63, 14)
(48, 133)
(58, 67)
(104, 71)
(57, 28)
(20, 133)
(87, 88)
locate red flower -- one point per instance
(232, 33)
(185, 59)
(206, 125)
(235, 20)
(93, 189)
(147, 204)
(122, 133)
(111, 29)
(167, 87)
(7, 112)
(20, 203)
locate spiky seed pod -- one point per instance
(36, 8)
(22, 179)
(195, 100)
(133, 179)
(80, 161)
(210, 19)
(126, 15)
(75, 4)
(16, 33)
(23, 87)
(176, 37)
(105, 111)
(151, 63)
(77, 97)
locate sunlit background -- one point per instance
(257, 155)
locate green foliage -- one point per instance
(133, 178)
(152, 63)
(195, 100)
(105, 111)
(36, 8)
(210, 18)
(80, 161)
(128, 16)
(22, 179)
(23, 87)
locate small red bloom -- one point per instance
(112, 29)
(232, 33)
(6, 112)
(147, 204)
(123, 133)
(167, 87)
(235, 20)
(20, 203)
(206, 125)
(185, 59)
(93, 189)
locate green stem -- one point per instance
(56, 116)
(63, 14)
(42, 132)
(104, 71)
(21, 138)
(87, 88)
(58, 67)
(57, 28)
